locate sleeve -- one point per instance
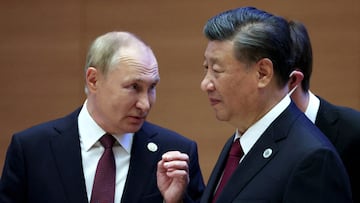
(196, 185)
(13, 179)
(319, 177)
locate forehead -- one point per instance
(216, 50)
(137, 54)
(134, 66)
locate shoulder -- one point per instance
(343, 115)
(164, 134)
(49, 127)
(300, 130)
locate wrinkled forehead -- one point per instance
(138, 54)
(138, 61)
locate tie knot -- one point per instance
(107, 140)
(236, 149)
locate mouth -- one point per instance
(214, 101)
(137, 119)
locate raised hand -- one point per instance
(173, 176)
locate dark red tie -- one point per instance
(232, 162)
(103, 190)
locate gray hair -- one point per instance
(105, 51)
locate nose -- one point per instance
(207, 85)
(144, 102)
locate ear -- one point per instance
(296, 77)
(91, 78)
(265, 72)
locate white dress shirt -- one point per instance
(91, 151)
(313, 107)
(253, 133)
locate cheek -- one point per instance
(152, 97)
(235, 90)
(229, 85)
(118, 101)
(120, 107)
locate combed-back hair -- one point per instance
(256, 34)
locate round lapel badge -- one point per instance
(152, 147)
(267, 153)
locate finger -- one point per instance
(176, 165)
(177, 174)
(160, 166)
(175, 155)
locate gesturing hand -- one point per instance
(173, 176)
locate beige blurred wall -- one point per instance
(43, 46)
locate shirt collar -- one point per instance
(253, 133)
(90, 132)
(313, 107)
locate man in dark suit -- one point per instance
(57, 161)
(339, 124)
(282, 156)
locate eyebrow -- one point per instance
(212, 60)
(157, 79)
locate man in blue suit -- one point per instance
(340, 124)
(285, 157)
(56, 162)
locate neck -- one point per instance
(301, 99)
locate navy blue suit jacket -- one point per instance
(291, 162)
(342, 126)
(43, 165)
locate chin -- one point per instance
(221, 117)
(135, 128)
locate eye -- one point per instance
(153, 86)
(216, 71)
(205, 65)
(134, 86)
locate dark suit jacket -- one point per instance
(342, 126)
(303, 167)
(43, 165)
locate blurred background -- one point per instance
(43, 46)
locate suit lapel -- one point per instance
(217, 172)
(142, 165)
(252, 164)
(326, 120)
(260, 154)
(65, 145)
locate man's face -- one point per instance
(123, 98)
(229, 83)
